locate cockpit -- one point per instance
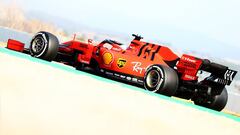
(109, 41)
(111, 45)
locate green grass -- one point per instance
(71, 70)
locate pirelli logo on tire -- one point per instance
(121, 62)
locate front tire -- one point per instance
(44, 45)
(217, 102)
(161, 79)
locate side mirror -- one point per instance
(90, 41)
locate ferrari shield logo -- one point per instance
(121, 62)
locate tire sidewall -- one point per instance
(169, 80)
(45, 48)
(50, 48)
(218, 102)
(159, 85)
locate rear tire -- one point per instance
(217, 103)
(161, 79)
(44, 45)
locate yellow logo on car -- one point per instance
(107, 58)
(121, 62)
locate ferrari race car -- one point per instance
(153, 67)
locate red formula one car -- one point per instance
(153, 67)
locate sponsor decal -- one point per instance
(221, 81)
(121, 62)
(140, 81)
(134, 79)
(109, 73)
(117, 75)
(123, 76)
(137, 67)
(189, 59)
(129, 78)
(107, 58)
(190, 77)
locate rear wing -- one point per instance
(219, 73)
(189, 66)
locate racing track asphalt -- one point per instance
(39, 97)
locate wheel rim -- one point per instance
(153, 79)
(38, 45)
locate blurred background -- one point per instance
(207, 29)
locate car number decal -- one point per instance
(149, 50)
